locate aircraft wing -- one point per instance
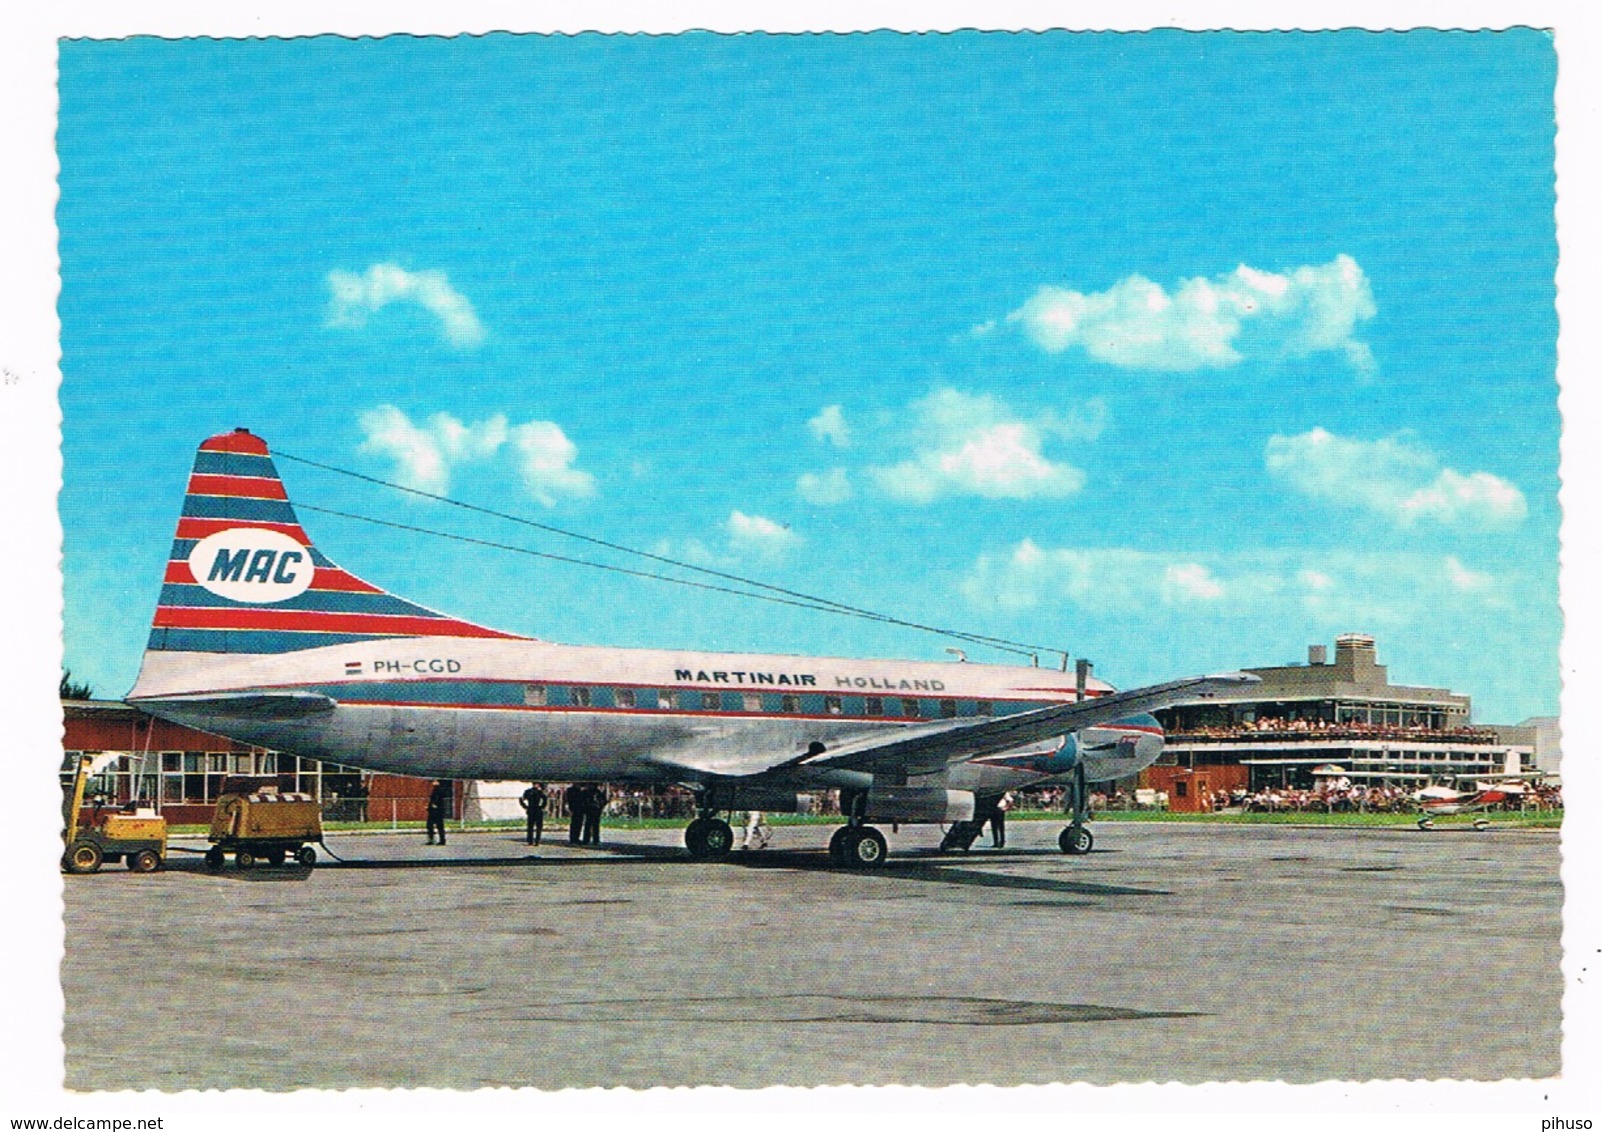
(931, 747)
(921, 754)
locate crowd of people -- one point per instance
(1272, 727)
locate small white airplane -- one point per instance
(260, 638)
(1440, 801)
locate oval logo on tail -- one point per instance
(252, 565)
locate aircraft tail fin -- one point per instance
(244, 577)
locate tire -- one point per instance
(274, 856)
(867, 849)
(214, 859)
(1075, 840)
(1426, 823)
(244, 858)
(837, 844)
(144, 861)
(693, 838)
(1482, 824)
(718, 838)
(306, 855)
(83, 857)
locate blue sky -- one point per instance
(1177, 351)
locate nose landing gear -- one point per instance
(1076, 839)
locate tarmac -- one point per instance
(1171, 953)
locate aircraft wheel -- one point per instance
(837, 844)
(1426, 823)
(244, 858)
(1075, 839)
(84, 857)
(306, 855)
(144, 861)
(865, 848)
(708, 838)
(1482, 824)
(274, 856)
(214, 858)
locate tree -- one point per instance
(73, 690)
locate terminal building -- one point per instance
(1342, 718)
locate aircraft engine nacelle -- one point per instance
(913, 804)
(772, 801)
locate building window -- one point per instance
(217, 762)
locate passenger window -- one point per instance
(665, 699)
(534, 695)
(831, 704)
(752, 701)
(624, 697)
(909, 708)
(875, 706)
(581, 697)
(789, 703)
(948, 709)
(711, 701)
(983, 707)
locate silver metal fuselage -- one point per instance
(533, 711)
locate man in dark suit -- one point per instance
(573, 798)
(533, 802)
(439, 800)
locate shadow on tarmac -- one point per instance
(928, 866)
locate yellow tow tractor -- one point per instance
(132, 834)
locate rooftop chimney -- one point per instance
(1317, 654)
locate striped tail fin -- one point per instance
(244, 577)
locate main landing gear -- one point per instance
(708, 837)
(1076, 839)
(856, 845)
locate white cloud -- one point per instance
(545, 460)
(1394, 477)
(825, 488)
(973, 445)
(1469, 581)
(425, 455)
(1207, 323)
(353, 297)
(754, 534)
(1334, 590)
(830, 425)
(1191, 581)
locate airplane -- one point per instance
(259, 637)
(1440, 801)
